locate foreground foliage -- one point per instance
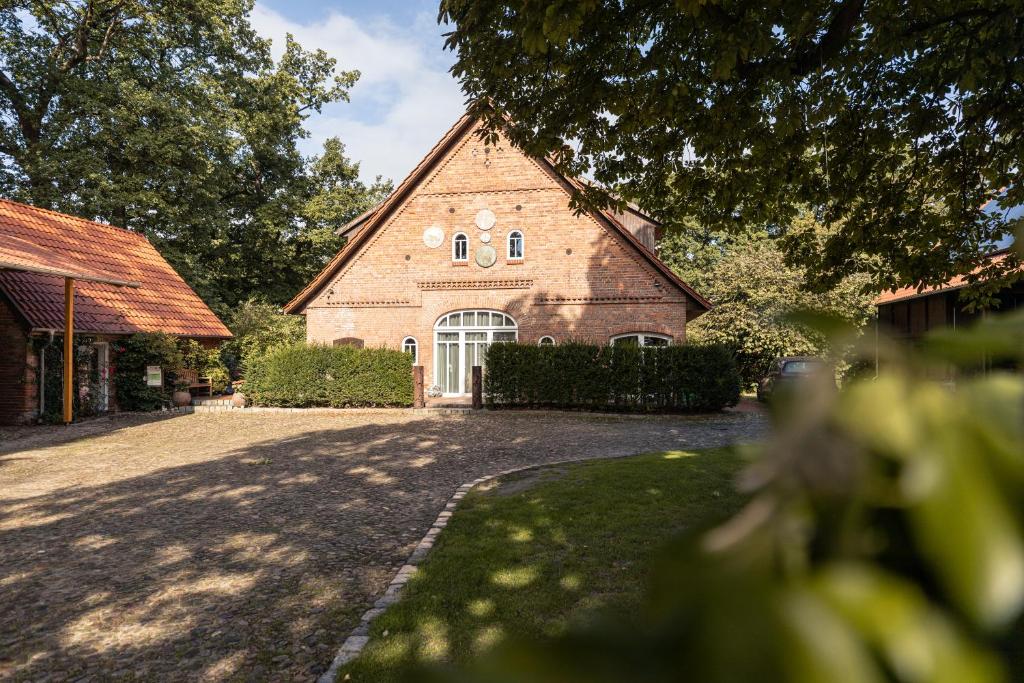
(541, 552)
(897, 121)
(315, 376)
(683, 378)
(883, 541)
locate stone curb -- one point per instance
(360, 635)
(451, 411)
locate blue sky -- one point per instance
(405, 99)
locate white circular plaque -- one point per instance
(485, 219)
(486, 256)
(485, 237)
(433, 236)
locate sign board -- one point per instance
(154, 376)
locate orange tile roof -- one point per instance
(954, 283)
(34, 239)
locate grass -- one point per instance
(544, 548)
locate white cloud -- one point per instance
(405, 98)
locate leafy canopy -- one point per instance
(898, 121)
(754, 294)
(172, 119)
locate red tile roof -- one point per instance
(955, 283)
(33, 239)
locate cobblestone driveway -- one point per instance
(244, 547)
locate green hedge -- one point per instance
(312, 376)
(689, 378)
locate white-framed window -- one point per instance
(410, 346)
(546, 340)
(515, 244)
(642, 339)
(460, 247)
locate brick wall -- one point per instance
(18, 397)
(579, 278)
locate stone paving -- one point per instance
(229, 546)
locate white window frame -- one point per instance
(642, 337)
(549, 338)
(522, 246)
(455, 246)
(411, 341)
(442, 326)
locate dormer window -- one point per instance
(515, 245)
(460, 248)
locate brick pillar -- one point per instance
(478, 388)
(417, 386)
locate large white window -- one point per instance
(461, 340)
(410, 346)
(642, 339)
(515, 245)
(460, 248)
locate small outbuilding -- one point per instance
(119, 285)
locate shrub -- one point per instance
(257, 327)
(309, 375)
(690, 378)
(131, 358)
(206, 362)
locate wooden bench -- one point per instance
(195, 382)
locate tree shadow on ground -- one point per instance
(543, 551)
(255, 563)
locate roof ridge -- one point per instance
(401, 188)
(73, 217)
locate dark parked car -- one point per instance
(789, 371)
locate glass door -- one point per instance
(448, 362)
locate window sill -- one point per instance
(514, 261)
(460, 263)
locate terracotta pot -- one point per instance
(182, 398)
(238, 399)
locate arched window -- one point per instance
(409, 346)
(546, 340)
(642, 339)
(461, 340)
(460, 247)
(515, 245)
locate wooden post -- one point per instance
(417, 386)
(478, 387)
(69, 348)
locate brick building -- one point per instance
(38, 250)
(479, 244)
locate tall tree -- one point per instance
(170, 119)
(754, 295)
(897, 121)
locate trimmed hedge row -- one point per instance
(314, 376)
(688, 378)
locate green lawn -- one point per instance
(542, 549)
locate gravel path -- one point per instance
(241, 547)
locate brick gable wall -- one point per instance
(579, 279)
(17, 376)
